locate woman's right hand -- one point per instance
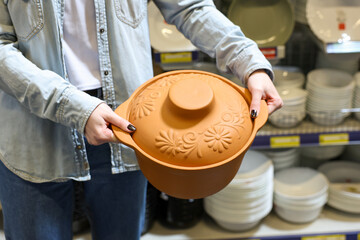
(97, 129)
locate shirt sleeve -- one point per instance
(213, 33)
(45, 93)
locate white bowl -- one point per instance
(331, 80)
(236, 227)
(303, 204)
(299, 183)
(322, 152)
(286, 76)
(297, 216)
(341, 171)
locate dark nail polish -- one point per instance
(253, 113)
(131, 127)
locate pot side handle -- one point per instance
(122, 136)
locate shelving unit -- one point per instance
(331, 225)
(301, 51)
(308, 134)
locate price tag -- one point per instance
(176, 57)
(333, 139)
(269, 53)
(325, 237)
(285, 141)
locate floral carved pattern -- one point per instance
(217, 137)
(145, 102)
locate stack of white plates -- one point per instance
(163, 36)
(299, 194)
(287, 76)
(334, 21)
(330, 95)
(344, 191)
(293, 110)
(316, 155)
(283, 157)
(248, 198)
(356, 100)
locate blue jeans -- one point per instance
(114, 203)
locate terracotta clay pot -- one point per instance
(193, 129)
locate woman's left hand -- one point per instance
(261, 87)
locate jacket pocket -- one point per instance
(131, 12)
(27, 17)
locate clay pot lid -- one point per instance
(190, 118)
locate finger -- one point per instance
(255, 103)
(120, 122)
(274, 105)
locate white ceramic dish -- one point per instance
(300, 183)
(298, 216)
(334, 21)
(268, 23)
(291, 77)
(165, 37)
(341, 171)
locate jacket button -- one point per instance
(102, 30)
(79, 147)
(106, 72)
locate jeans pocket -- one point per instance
(131, 12)
(27, 17)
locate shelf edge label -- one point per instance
(285, 141)
(325, 237)
(176, 57)
(333, 139)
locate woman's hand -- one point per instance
(97, 129)
(261, 87)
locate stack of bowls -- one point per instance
(314, 156)
(344, 190)
(243, 203)
(283, 157)
(299, 194)
(356, 100)
(329, 93)
(293, 110)
(289, 77)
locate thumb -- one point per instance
(255, 103)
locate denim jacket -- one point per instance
(42, 116)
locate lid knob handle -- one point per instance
(191, 94)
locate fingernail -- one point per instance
(131, 127)
(253, 113)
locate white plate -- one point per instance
(165, 37)
(268, 23)
(334, 20)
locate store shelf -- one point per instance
(331, 225)
(308, 134)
